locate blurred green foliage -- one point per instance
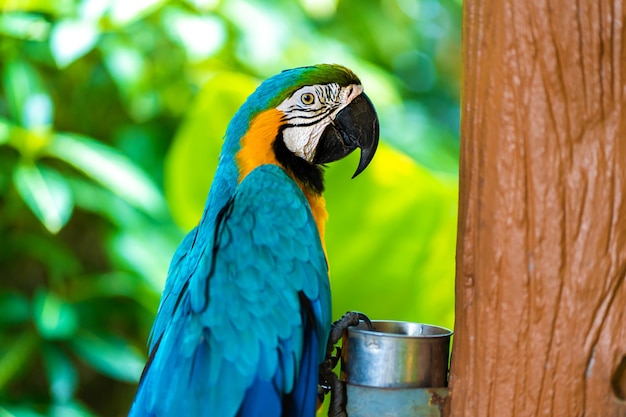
(111, 118)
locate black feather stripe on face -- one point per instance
(311, 175)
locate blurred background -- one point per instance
(112, 114)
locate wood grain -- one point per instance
(541, 253)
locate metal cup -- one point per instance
(396, 354)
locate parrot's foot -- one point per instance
(328, 378)
(337, 388)
(351, 318)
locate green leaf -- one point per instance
(412, 130)
(28, 142)
(91, 196)
(46, 194)
(123, 12)
(111, 169)
(46, 250)
(71, 39)
(145, 251)
(391, 239)
(14, 360)
(54, 317)
(62, 374)
(19, 411)
(52, 7)
(22, 85)
(5, 131)
(201, 36)
(192, 159)
(114, 285)
(28, 102)
(15, 308)
(37, 111)
(126, 65)
(110, 356)
(24, 26)
(20, 81)
(72, 409)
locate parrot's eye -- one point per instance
(307, 98)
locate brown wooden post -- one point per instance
(541, 256)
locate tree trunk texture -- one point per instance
(541, 253)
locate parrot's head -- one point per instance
(303, 118)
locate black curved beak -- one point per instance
(355, 126)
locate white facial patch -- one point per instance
(309, 111)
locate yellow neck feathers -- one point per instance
(256, 150)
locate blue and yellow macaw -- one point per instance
(245, 315)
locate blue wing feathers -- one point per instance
(262, 399)
(304, 396)
(232, 336)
